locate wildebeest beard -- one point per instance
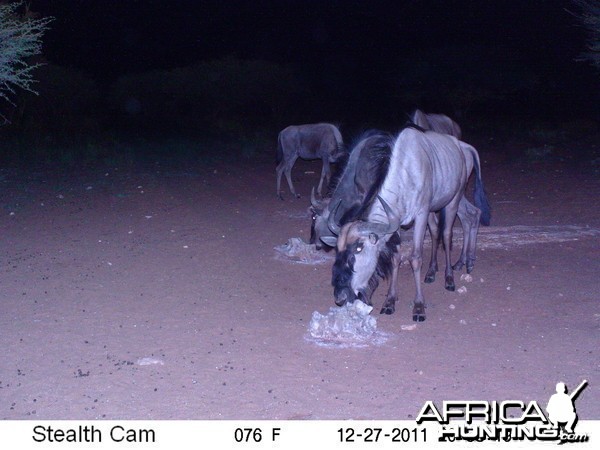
(342, 272)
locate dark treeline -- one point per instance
(235, 97)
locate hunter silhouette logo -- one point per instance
(508, 420)
(561, 407)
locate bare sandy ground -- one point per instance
(155, 293)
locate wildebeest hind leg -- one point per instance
(473, 239)
(469, 219)
(450, 216)
(434, 232)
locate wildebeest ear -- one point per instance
(329, 240)
(373, 238)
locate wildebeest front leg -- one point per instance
(288, 175)
(416, 261)
(432, 223)
(280, 168)
(389, 305)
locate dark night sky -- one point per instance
(351, 44)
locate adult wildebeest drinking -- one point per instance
(313, 141)
(427, 172)
(436, 122)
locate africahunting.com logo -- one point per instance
(510, 420)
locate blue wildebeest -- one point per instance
(436, 122)
(312, 141)
(427, 172)
(355, 191)
(469, 214)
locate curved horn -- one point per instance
(313, 200)
(331, 223)
(392, 219)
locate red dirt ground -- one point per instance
(102, 268)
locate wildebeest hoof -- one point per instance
(429, 278)
(470, 268)
(389, 306)
(419, 313)
(389, 310)
(450, 284)
(458, 266)
(297, 195)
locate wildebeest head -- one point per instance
(358, 247)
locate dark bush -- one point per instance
(67, 108)
(225, 96)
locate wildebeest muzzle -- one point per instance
(344, 295)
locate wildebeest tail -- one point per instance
(279, 156)
(479, 196)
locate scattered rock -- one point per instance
(149, 361)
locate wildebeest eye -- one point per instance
(359, 248)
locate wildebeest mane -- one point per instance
(342, 165)
(369, 172)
